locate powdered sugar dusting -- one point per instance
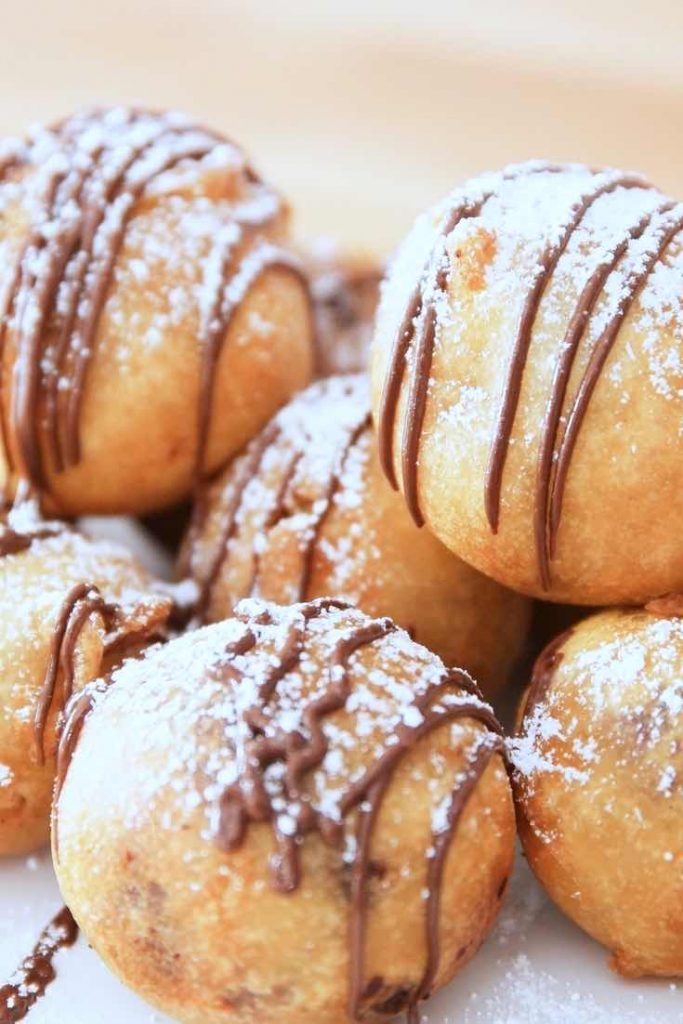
(190, 730)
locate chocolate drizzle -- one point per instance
(83, 180)
(82, 601)
(36, 972)
(276, 437)
(14, 540)
(414, 343)
(248, 800)
(20, 528)
(544, 669)
(260, 741)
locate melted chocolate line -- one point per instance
(76, 713)
(544, 669)
(545, 540)
(30, 981)
(64, 272)
(441, 843)
(406, 736)
(253, 266)
(252, 462)
(392, 386)
(79, 604)
(368, 795)
(601, 351)
(13, 542)
(405, 336)
(414, 420)
(367, 819)
(424, 339)
(467, 208)
(520, 349)
(314, 529)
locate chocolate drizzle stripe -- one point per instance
(520, 349)
(441, 845)
(57, 289)
(544, 669)
(405, 337)
(251, 464)
(392, 386)
(420, 311)
(30, 981)
(79, 604)
(369, 792)
(664, 235)
(417, 403)
(13, 542)
(76, 712)
(301, 749)
(545, 539)
(233, 291)
(423, 340)
(418, 329)
(315, 528)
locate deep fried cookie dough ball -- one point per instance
(151, 319)
(296, 814)
(306, 512)
(69, 609)
(598, 769)
(528, 385)
(345, 292)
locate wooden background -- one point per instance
(363, 112)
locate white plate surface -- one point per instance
(536, 968)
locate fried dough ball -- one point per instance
(306, 512)
(345, 292)
(297, 814)
(598, 768)
(528, 386)
(70, 608)
(153, 320)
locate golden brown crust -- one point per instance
(317, 518)
(598, 764)
(35, 584)
(527, 387)
(200, 932)
(200, 251)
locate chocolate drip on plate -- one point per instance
(30, 981)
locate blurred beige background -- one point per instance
(364, 112)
